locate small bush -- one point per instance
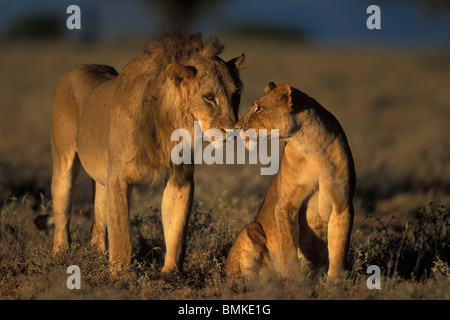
(410, 252)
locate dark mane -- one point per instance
(181, 47)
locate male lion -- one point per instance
(309, 199)
(118, 126)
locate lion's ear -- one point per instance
(177, 73)
(283, 94)
(270, 86)
(237, 63)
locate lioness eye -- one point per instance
(258, 109)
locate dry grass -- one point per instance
(393, 106)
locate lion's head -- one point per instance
(208, 89)
(184, 80)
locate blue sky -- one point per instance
(328, 22)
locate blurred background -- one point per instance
(388, 88)
(417, 23)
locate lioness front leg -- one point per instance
(175, 209)
(117, 221)
(339, 231)
(287, 237)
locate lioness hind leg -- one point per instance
(98, 238)
(249, 254)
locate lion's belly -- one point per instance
(93, 163)
(92, 136)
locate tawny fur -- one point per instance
(118, 126)
(308, 209)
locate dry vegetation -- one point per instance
(393, 105)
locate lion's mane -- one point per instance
(160, 112)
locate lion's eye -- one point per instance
(258, 109)
(210, 98)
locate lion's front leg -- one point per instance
(117, 220)
(176, 207)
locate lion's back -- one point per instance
(81, 80)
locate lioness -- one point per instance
(118, 126)
(309, 200)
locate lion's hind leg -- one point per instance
(249, 254)
(65, 159)
(65, 171)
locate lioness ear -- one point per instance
(283, 93)
(177, 73)
(237, 63)
(270, 86)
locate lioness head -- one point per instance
(210, 89)
(274, 110)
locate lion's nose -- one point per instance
(227, 123)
